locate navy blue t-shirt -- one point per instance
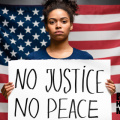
(42, 54)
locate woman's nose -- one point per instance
(58, 24)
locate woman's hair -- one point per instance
(70, 6)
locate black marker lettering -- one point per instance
(17, 102)
(18, 75)
(35, 78)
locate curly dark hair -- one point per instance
(70, 6)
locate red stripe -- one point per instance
(115, 79)
(3, 78)
(98, 9)
(91, 45)
(113, 98)
(2, 99)
(96, 27)
(3, 116)
(114, 60)
(115, 116)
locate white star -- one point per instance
(5, 23)
(6, 46)
(42, 18)
(36, 49)
(43, 30)
(20, 23)
(12, 41)
(35, 23)
(21, 58)
(7, 59)
(5, 11)
(28, 30)
(12, 17)
(28, 43)
(13, 53)
(12, 29)
(20, 12)
(21, 48)
(27, 53)
(20, 36)
(28, 18)
(43, 43)
(49, 36)
(35, 11)
(5, 34)
(36, 36)
(1, 53)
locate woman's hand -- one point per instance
(7, 89)
(111, 86)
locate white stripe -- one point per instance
(97, 19)
(4, 107)
(102, 53)
(94, 35)
(21, 2)
(1, 85)
(3, 69)
(115, 70)
(113, 107)
(117, 88)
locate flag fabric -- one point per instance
(96, 30)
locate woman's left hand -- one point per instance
(111, 86)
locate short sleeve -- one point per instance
(89, 56)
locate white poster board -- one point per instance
(59, 89)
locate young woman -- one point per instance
(58, 22)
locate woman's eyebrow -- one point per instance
(60, 18)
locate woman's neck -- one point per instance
(59, 46)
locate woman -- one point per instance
(58, 22)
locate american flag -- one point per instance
(96, 29)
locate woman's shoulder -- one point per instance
(83, 54)
(36, 54)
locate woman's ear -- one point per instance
(71, 28)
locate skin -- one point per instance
(59, 46)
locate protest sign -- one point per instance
(59, 89)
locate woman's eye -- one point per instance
(64, 21)
(51, 22)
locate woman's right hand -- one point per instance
(7, 89)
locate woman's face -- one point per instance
(58, 20)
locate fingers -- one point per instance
(110, 81)
(6, 84)
(7, 89)
(111, 86)
(8, 94)
(111, 91)
(107, 84)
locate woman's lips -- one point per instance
(58, 32)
